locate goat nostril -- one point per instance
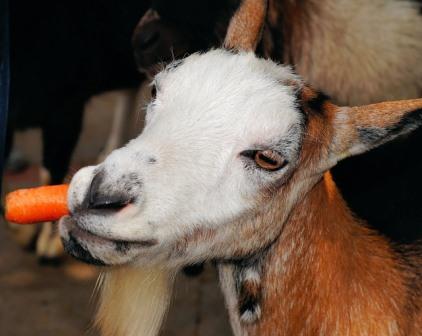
(98, 199)
(110, 202)
(148, 39)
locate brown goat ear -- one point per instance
(358, 129)
(245, 28)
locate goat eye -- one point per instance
(153, 92)
(269, 160)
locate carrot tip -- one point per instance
(34, 205)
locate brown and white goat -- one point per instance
(233, 166)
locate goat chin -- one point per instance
(133, 301)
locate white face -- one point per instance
(176, 193)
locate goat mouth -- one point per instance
(76, 250)
(77, 240)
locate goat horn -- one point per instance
(245, 28)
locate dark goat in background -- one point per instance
(174, 29)
(380, 186)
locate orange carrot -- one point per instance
(42, 204)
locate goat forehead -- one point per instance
(227, 93)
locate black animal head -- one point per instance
(173, 29)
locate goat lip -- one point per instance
(86, 235)
(83, 234)
(73, 245)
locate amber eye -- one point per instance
(153, 92)
(269, 160)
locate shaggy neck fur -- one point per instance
(328, 274)
(379, 39)
(134, 301)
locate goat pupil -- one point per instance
(268, 160)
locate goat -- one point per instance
(357, 52)
(233, 166)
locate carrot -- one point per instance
(42, 204)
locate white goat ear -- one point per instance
(358, 129)
(245, 28)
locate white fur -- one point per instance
(251, 316)
(133, 302)
(251, 275)
(228, 287)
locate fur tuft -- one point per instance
(133, 301)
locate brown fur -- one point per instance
(245, 27)
(330, 275)
(383, 114)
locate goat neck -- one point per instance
(326, 274)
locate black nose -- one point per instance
(100, 197)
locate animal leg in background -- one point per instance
(59, 141)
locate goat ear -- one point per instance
(358, 129)
(245, 28)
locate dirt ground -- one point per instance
(41, 300)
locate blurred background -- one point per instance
(79, 74)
